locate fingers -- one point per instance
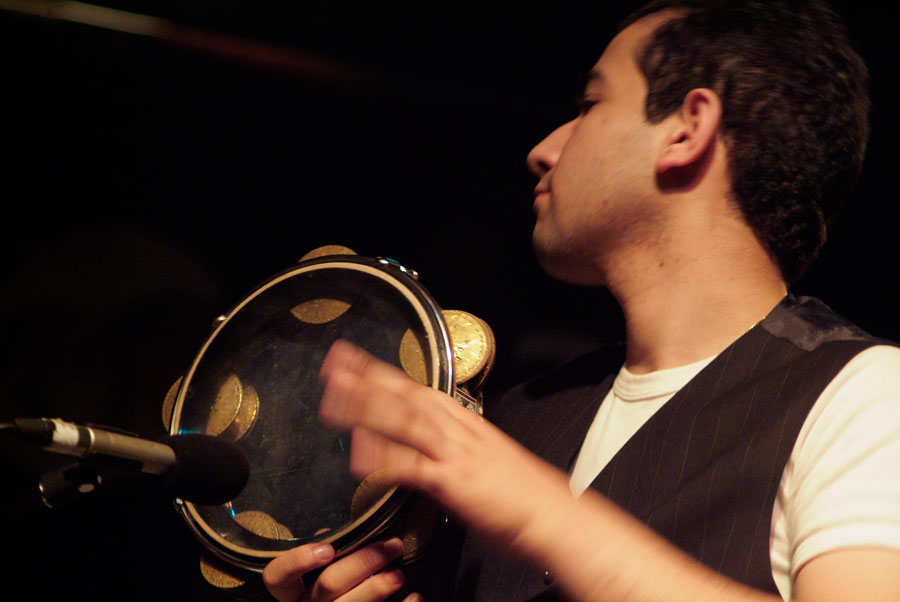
(407, 415)
(364, 391)
(396, 463)
(346, 359)
(346, 356)
(415, 436)
(283, 577)
(421, 438)
(356, 578)
(399, 426)
(375, 588)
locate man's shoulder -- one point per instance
(571, 386)
(809, 324)
(585, 370)
(874, 371)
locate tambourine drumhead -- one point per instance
(255, 382)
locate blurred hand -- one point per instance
(422, 438)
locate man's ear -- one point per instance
(695, 129)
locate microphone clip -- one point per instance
(68, 484)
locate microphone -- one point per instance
(197, 468)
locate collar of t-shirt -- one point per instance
(633, 400)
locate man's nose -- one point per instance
(544, 156)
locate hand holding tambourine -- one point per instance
(254, 382)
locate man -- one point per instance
(748, 447)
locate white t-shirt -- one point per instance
(841, 485)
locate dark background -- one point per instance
(150, 181)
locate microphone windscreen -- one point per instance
(207, 471)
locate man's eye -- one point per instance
(584, 105)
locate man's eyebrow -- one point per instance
(594, 76)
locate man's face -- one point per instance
(596, 193)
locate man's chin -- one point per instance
(567, 266)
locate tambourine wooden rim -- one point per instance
(229, 540)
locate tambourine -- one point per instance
(255, 382)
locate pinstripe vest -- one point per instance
(705, 469)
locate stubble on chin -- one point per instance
(565, 262)
(589, 256)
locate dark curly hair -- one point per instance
(795, 108)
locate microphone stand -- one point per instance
(68, 484)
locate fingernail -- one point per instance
(393, 546)
(394, 577)
(323, 552)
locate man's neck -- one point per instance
(671, 332)
(695, 305)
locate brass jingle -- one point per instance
(412, 357)
(283, 531)
(234, 582)
(168, 406)
(226, 405)
(320, 311)
(367, 494)
(419, 525)
(326, 250)
(418, 521)
(477, 381)
(474, 347)
(238, 583)
(259, 523)
(224, 576)
(246, 417)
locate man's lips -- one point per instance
(542, 187)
